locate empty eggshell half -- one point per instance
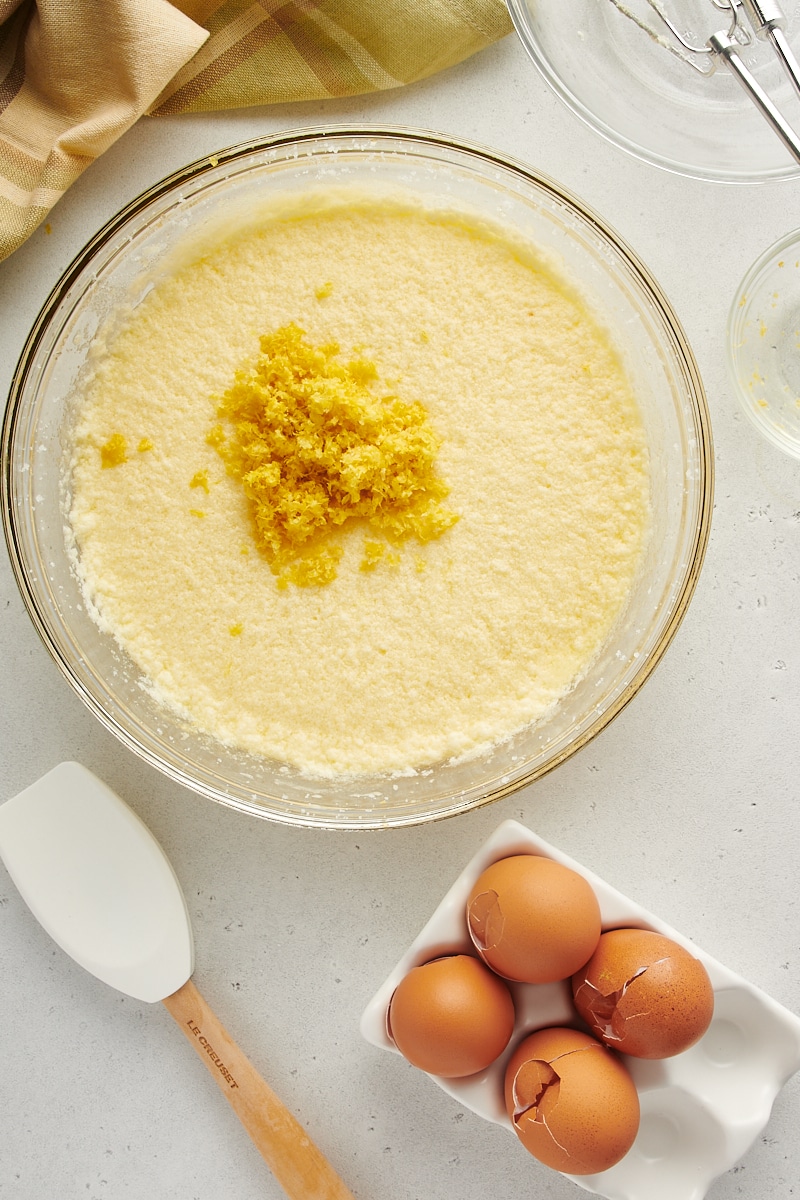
(643, 994)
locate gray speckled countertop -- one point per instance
(689, 802)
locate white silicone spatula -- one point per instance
(97, 880)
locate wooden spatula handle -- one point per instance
(301, 1169)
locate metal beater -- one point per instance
(747, 19)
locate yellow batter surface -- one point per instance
(440, 649)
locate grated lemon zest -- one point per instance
(114, 452)
(199, 480)
(316, 448)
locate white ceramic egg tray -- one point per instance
(700, 1110)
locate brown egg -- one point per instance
(644, 994)
(451, 1016)
(572, 1103)
(532, 919)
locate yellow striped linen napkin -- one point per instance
(75, 74)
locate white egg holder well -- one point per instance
(700, 1110)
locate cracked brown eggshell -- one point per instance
(451, 1016)
(571, 1102)
(532, 919)
(643, 994)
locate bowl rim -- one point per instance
(397, 135)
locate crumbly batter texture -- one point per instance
(403, 659)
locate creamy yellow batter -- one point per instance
(442, 648)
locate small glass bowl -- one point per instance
(36, 448)
(631, 90)
(763, 343)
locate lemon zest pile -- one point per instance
(317, 448)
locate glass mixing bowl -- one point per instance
(36, 445)
(636, 93)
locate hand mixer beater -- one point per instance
(747, 19)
